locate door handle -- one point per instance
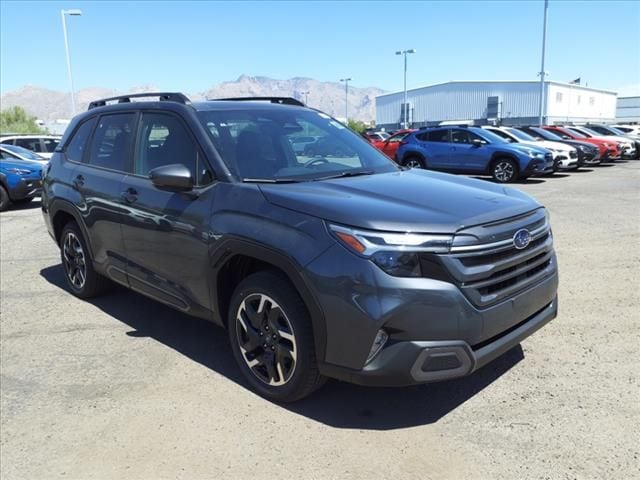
(78, 181)
(130, 195)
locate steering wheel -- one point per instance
(313, 161)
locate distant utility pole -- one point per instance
(306, 97)
(74, 13)
(405, 109)
(346, 98)
(542, 72)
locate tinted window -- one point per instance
(32, 144)
(7, 156)
(164, 140)
(435, 136)
(398, 138)
(111, 142)
(79, 143)
(50, 144)
(257, 145)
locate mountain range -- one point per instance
(52, 105)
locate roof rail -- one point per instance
(279, 100)
(162, 96)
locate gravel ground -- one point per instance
(125, 388)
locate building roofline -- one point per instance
(535, 82)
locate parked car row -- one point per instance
(509, 154)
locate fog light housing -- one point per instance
(378, 343)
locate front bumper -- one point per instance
(26, 187)
(415, 362)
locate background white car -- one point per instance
(43, 145)
(13, 151)
(564, 156)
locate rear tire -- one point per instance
(81, 277)
(414, 162)
(5, 201)
(504, 170)
(271, 337)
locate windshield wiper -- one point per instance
(270, 180)
(348, 173)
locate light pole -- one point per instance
(306, 97)
(405, 108)
(63, 13)
(542, 72)
(346, 94)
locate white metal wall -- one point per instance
(566, 102)
(468, 101)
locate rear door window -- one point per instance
(111, 142)
(32, 144)
(440, 136)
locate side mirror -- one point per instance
(175, 177)
(477, 142)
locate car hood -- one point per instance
(528, 148)
(556, 145)
(407, 201)
(22, 164)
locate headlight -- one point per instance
(18, 171)
(395, 253)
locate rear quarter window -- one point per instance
(79, 143)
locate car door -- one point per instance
(436, 146)
(98, 178)
(459, 151)
(166, 236)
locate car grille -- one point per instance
(492, 272)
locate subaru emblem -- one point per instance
(521, 239)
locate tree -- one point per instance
(357, 126)
(16, 120)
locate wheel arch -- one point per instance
(500, 156)
(236, 258)
(61, 212)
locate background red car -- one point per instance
(608, 149)
(390, 146)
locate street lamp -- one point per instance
(405, 109)
(76, 13)
(542, 72)
(306, 97)
(346, 94)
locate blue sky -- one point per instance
(190, 46)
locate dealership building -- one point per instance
(508, 103)
(628, 110)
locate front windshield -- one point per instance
(615, 131)
(546, 134)
(521, 135)
(263, 145)
(23, 152)
(593, 133)
(575, 133)
(490, 136)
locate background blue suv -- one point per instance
(473, 150)
(20, 181)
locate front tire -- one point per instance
(81, 277)
(504, 170)
(5, 201)
(414, 162)
(271, 337)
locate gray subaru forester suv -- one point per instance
(333, 264)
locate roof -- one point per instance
(534, 82)
(239, 105)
